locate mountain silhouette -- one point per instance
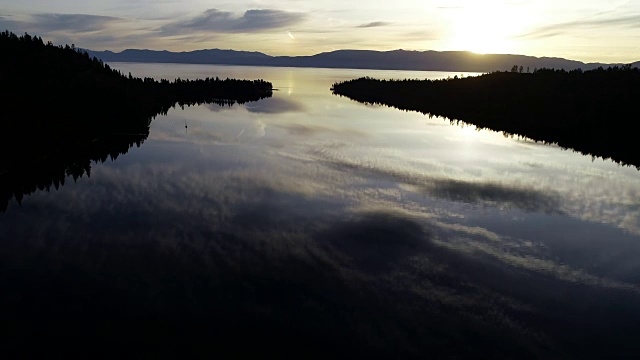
(353, 59)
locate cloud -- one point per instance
(629, 21)
(457, 190)
(214, 20)
(10, 24)
(95, 31)
(314, 130)
(527, 199)
(44, 23)
(72, 22)
(275, 105)
(419, 36)
(560, 271)
(374, 24)
(376, 241)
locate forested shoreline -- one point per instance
(63, 109)
(593, 112)
(57, 80)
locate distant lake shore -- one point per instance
(405, 60)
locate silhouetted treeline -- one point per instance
(57, 101)
(593, 112)
(54, 79)
(29, 173)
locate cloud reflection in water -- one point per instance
(330, 225)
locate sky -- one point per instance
(585, 30)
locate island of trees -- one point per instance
(62, 109)
(594, 112)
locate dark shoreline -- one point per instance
(592, 112)
(63, 109)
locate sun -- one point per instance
(484, 30)
(479, 40)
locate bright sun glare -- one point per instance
(484, 29)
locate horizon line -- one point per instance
(371, 50)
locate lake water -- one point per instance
(308, 223)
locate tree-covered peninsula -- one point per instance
(594, 112)
(62, 109)
(85, 94)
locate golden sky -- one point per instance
(586, 30)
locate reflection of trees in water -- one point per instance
(27, 174)
(62, 109)
(591, 111)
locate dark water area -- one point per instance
(307, 225)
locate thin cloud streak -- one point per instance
(73, 22)
(45, 23)
(374, 24)
(632, 21)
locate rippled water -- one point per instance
(309, 222)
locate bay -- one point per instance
(310, 223)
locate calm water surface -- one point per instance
(307, 223)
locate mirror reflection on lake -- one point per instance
(307, 223)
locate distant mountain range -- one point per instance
(354, 59)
